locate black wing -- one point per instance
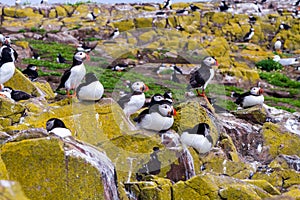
(31, 74)
(199, 77)
(240, 99)
(124, 100)
(64, 78)
(18, 95)
(178, 69)
(139, 118)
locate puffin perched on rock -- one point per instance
(31, 72)
(91, 90)
(198, 137)
(249, 35)
(73, 76)
(57, 127)
(115, 33)
(200, 77)
(135, 100)
(167, 5)
(17, 95)
(278, 44)
(250, 98)
(7, 65)
(60, 58)
(158, 117)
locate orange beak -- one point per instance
(217, 64)
(174, 112)
(261, 91)
(145, 88)
(87, 57)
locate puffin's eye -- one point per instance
(166, 107)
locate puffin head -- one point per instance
(32, 67)
(157, 98)
(81, 56)
(54, 123)
(166, 110)
(256, 91)
(210, 61)
(139, 86)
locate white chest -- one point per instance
(77, 74)
(91, 92)
(156, 122)
(253, 100)
(7, 70)
(135, 103)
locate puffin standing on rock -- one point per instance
(198, 137)
(91, 90)
(250, 98)
(17, 95)
(249, 35)
(7, 65)
(200, 77)
(31, 72)
(73, 76)
(57, 127)
(134, 101)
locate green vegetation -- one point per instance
(289, 101)
(38, 30)
(42, 73)
(49, 64)
(268, 65)
(279, 79)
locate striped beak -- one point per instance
(87, 57)
(260, 91)
(144, 88)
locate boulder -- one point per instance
(255, 114)
(11, 190)
(11, 111)
(55, 168)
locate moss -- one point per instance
(236, 192)
(124, 25)
(280, 142)
(11, 110)
(22, 44)
(147, 36)
(183, 191)
(143, 22)
(9, 11)
(44, 171)
(265, 185)
(295, 193)
(44, 90)
(52, 14)
(255, 114)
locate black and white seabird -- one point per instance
(223, 6)
(17, 95)
(252, 19)
(83, 48)
(200, 77)
(194, 8)
(297, 3)
(155, 99)
(44, 1)
(286, 61)
(91, 90)
(57, 127)
(18, 2)
(295, 14)
(73, 76)
(198, 137)
(167, 4)
(249, 35)
(36, 56)
(251, 98)
(115, 33)
(60, 58)
(7, 43)
(284, 26)
(91, 16)
(7, 65)
(182, 12)
(179, 28)
(31, 72)
(158, 117)
(120, 67)
(135, 100)
(161, 14)
(278, 45)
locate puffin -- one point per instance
(200, 77)
(91, 90)
(168, 97)
(167, 5)
(60, 58)
(198, 137)
(223, 6)
(114, 34)
(135, 100)
(73, 76)
(284, 26)
(277, 45)
(17, 95)
(250, 98)
(252, 19)
(83, 48)
(31, 72)
(155, 99)
(161, 14)
(18, 2)
(57, 127)
(158, 117)
(44, 1)
(286, 61)
(249, 35)
(91, 16)
(36, 56)
(7, 43)
(179, 28)
(7, 65)
(120, 67)
(194, 8)
(297, 3)
(182, 12)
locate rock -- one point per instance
(265, 185)
(255, 114)
(124, 25)
(11, 110)
(219, 47)
(62, 38)
(280, 141)
(209, 186)
(53, 168)
(11, 190)
(143, 22)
